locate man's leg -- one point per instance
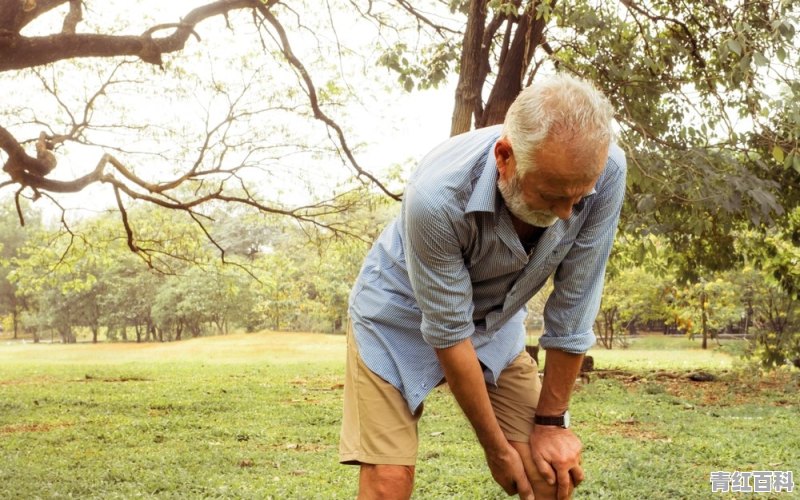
(514, 402)
(378, 482)
(379, 432)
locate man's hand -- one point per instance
(508, 471)
(465, 378)
(556, 453)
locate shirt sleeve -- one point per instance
(436, 269)
(572, 307)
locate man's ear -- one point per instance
(503, 155)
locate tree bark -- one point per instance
(468, 91)
(15, 322)
(523, 33)
(703, 318)
(513, 66)
(18, 52)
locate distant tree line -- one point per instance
(650, 284)
(266, 274)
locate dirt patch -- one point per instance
(636, 432)
(727, 388)
(303, 447)
(633, 429)
(15, 428)
(92, 378)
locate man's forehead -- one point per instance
(567, 165)
(553, 184)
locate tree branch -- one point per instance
(18, 52)
(73, 17)
(440, 29)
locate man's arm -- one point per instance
(556, 451)
(569, 315)
(465, 378)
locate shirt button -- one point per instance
(424, 386)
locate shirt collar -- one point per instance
(484, 194)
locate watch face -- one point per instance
(566, 419)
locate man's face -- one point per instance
(549, 194)
(511, 191)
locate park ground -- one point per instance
(257, 416)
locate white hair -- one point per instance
(563, 108)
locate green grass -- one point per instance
(257, 416)
(662, 352)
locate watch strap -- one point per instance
(555, 420)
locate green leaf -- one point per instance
(735, 46)
(759, 59)
(646, 204)
(796, 163)
(777, 153)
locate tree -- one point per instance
(633, 295)
(173, 162)
(771, 285)
(707, 307)
(62, 277)
(12, 238)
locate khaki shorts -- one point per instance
(378, 427)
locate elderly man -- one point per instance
(488, 216)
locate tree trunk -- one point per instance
(513, 65)
(67, 337)
(703, 318)
(516, 54)
(95, 331)
(15, 321)
(611, 320)
(337, 324)
(468, 91)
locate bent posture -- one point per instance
(487, 217)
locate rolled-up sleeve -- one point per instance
(572, 307)
(436, 269)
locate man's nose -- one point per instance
(563, 210)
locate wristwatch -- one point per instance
(559, 420)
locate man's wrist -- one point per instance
(494, 443)
(561, 420)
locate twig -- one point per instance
(19, 208)
(124, 214)
(313, 100)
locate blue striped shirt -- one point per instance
(451, 267)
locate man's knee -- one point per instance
(385, 482)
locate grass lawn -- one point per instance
(257, 416)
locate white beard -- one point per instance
(512, 194)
